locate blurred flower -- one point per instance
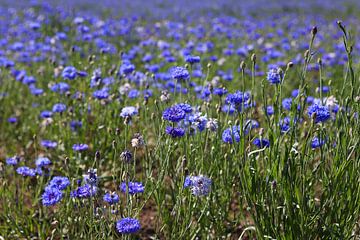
(128, 225)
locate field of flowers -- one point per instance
(179, 119)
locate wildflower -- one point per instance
(75, 125)
(46, 114)
(60, 87)
(26, 171)
(231, 133)
(238, 98)
(175, 131)
(128, 111)
(199, 185)
(126, 68)
(174, 114)
(220, 91)
(12, 120)
(126, 156)
(261, 143)
(165, 96)
(59, 107)
(69, 72)
(134, 187)
(185, 107)
(273, 76)
(133, 93)
(269, 110)
(286, 103)
(317, 142)
(48, 144)
(198, 120)
(51, 196)
(59, 182)
(179, 73)
(212, 124)
(12, 161)
(84, 191)
(137, 140)
(111, 198)
(192, 59)
(42, 162)
(101, 94)
(322, 113)
(128, 225)
(91, 177)
(80, 147)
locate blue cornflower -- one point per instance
(91, 177)
(185, 107)
(322, 113)
(237, 98)
(199, 185)
(187, 182)
(51, 196)
(134, 187)
(75, 125)
(261, 143)
(111, 198)
(69, 72)
(269, 110)
(133, 93)
(48, 144)
(59, 107)
(175, 131)
(228, 109)
(295, 93)
(192, 59)
(198, 120)
(126, 68)
(273, 76)
(84, 191)
(46, 114)
(59, 182)
(285, 124)
(12, 161)
(60, 87)
(128, 111)
(220, 91)
(80, 147)
(231, 133)
(174, 114)
(42, 162)
(12, 120)
(128, 225)
(286, 103)
(26, 171)
(179, 73)
(317, 142)
(101, 94)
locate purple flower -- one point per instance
(26, 171)
(179, 73)
(48, 144)
(175, 132)
(42, 162)
(134, 187)
(69, 72)
(111, 198)
(12, 161)
(174, 114)
(80, 147)
(59, 182)
(128, 225)
(51, 196)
